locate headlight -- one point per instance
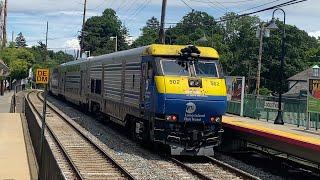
(195, 83)
(172, 118)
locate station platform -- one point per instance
(289, 139)
(5, 102)
(13, 154)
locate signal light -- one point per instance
(215, 119)
(172, 118)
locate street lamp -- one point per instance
(116, 43)
(273, 25)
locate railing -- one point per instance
(294, 110)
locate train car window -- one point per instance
(204, 68)
(92, 85)
(98, 87)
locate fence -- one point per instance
(294, 110)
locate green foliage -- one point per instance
(238, 46)
(99, 29)
(20, 60)
(20, 40)
(18, 69)
(150, 33)
(264, 91)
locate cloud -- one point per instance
(314, 34)
(72, 44)
(65, 17)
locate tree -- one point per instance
(19, 69)
(19, 61)
(150, 33)
(20, 41)
(238, 46)
(99, 29)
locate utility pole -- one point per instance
(83, 23)
(4, 35)
(163, 16)
(45, 58)
(12, 36)
(261, 34)
(1, 25)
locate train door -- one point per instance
(143, 88)
(147, 89)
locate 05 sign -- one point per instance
(42, 76)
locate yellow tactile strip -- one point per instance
(294, 138)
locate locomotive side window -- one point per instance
(98, 87)
(92, 85)
(150, 71)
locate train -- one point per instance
(174, 95)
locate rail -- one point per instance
(232, 169)
(213, 161)
(84, 136)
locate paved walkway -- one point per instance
(13, 155)
(5, 102)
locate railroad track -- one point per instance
(213, 169)
(86, 158)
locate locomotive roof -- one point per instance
(175, 50)
(152, 50)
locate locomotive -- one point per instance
(165, 94)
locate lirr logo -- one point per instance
(191, 108)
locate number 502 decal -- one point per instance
(174, 81)
(214, 83)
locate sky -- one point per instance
(65, 16)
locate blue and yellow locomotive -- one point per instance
(169, 94)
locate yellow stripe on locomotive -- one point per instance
(180, 85)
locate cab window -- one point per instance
(207, 69)
(174, 67)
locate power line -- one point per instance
(138, 10)
(265, 9)
(211, 4)
(258, 6)
(187, 5)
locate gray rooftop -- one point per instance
(302, 76)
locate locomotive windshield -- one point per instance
(200, 68)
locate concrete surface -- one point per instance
(5, 102)
(13, 156)
(287, 128)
